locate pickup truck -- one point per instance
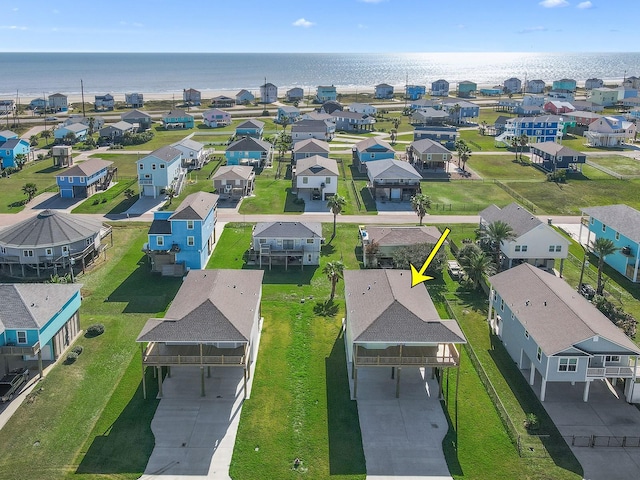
(11, 383)
(454, 269)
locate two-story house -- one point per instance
(177, 118)
(58, 102)
(466, 89)
(75, 132)
(610, 132)
(426, 154)
(370, 150)
(558, 107)
(85, 178)
(564, 84)
(268, 93)
(116, 131)
(39, 105)
(244, 97)
(160, 170)
(545, 128)
(12, 147)
(512, 85)
(440, 88)
(250, 128)
(222, 101)
(319, 129)
(534, 241)
(134, 100)
(364, 108)
(191, 96)
(460, 111)
(142, 120)
(215, 118)
(383, 91)
(309, 148)
(104, 102)
(438, 133)
(326, 93)
(592, 83)
(393, 180)
(414, 92)
(249, 151)
(315, 174)
(193, 153)
(294, 94)
(286, 243)
(287, 113)
(234, 181)
(183, 240)
(355, 122)
(556, 335)
(536, 86)
(552, 156)
(38, 320)
(429, 116)
(604, 96)
(621, 225)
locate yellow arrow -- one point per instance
(418, 277)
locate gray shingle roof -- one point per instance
(76, 127)
(311, 145)
(401, 236)
(309, 126)
(557, 317)
(179, 113)
(249, 144)
(32, 305)
(195, 207)
(8, 134)
(211, 306)
(134, 114)
(382, 307)
(392, 169)
(553, 148)
(427, 145)
(166, 153)
(519, 218)
(251, 124)
(317, 166)
(365, 145)
(288, 230)
(160, 227)
(49, 228)
(622, 218)
(233, 172)
(11, 143)
(191, 144)
(86, 168)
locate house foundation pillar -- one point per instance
(543, 389)
(202, 392)
(40, 363)
(585, 395)
(355, 383)
(159, 373)
(532, 374)
(398, 383)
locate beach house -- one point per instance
(466, 89)
(460, 111)
(318, 129)
(222, 101)
(294, 94)
(383, 91)
(215, 118)
(7, 107)
(441, 134)
(558, 107)
(104, 102)
(393, 180)
(326, 93)
(85, 178)
(592, 83)
(250, 128)
(315, 176)
(62, 155)
(606, 97)
(191, 96)
(116, 132)
(134, 100)
(183, 240)
(213, 321)
(512, 85)
(38, 321)
(564, 85)
(536, 86)
(309, 148)
(160, 170)
(268, 93)
(39, 105)
(621, 225)
(427, 154)
(414, 92)
(142, 120)
(362, 108)
(193, 153)
(331, 106)
(555, 335)
(545, 128)
(552, 156)
(440, 88)
(387, 239)
(534, 242)
(347, 121)
(70, 134)
(177, 118)
(58, 102)
(11, 148)
(287, 114)
(249, 151)
(244, 97)
(286, 243)
(370, 150)
(234, 181)
(610, 131)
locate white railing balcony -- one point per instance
(145, 181)
(610, 372)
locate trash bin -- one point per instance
(549, 221)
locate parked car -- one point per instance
(454, 269)
(316, 195)
(11, 383)
(51, 119)
(587, 291)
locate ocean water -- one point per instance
(35, 74)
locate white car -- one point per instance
(454, 269)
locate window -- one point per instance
(552, 248)
(65, 249)
(189, 224)
(305, 180)
(27, 253)
(21, 337)
(48, 252)
(153, 166)
(263, 240)
(81, 179)
(373, 155)
(617, 235)
(517, 248)
(141, 167)
(524, 248)
(539, 354)
(558, 248)
(161, 165)
(288, 244)
(327, 180)
(568, 365)
(612, 358)
(88, 241)
(160, 241)
(502, 304)
(604, 227)
(526, 334)
(592, 221)
(309, 240)
(191, 241)
(3, 250)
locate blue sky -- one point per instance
(313, 26)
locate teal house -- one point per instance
(565, 84)
(621, 225)
(466, 89)
(326, 94)
(177, 118)
(38, 320)
(12, 147)
(249, 151)
(250, 128)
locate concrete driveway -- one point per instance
(401, 437)
(605, 414)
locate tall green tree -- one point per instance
(523, 140)
(336, 203)
(420, 204)
(170, 193)
(21, 159)
(29, 189)
(515, 143)
(476, 264)
(46, 134)
(494, 234)
(464, 152)
(334, 272)
(601, 248)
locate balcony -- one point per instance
(610, 372)
(145, 181)
(20, 350)
(445, 355)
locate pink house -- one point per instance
(558, 107)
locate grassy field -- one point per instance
(124, 162)
(618, 163)
(464, 197)
(477, 142)
(504, 167)
(42, 173)
(89, 417)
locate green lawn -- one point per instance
(41, 172)
(477, 142)
(124, 162)
(618, 163)
(161, 138)
(88, 417)
(579, 143)
(112, 201)
(504, 167)
(463, 197)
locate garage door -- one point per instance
(396, 193)
(149, 190)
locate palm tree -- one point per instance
(523, 140)
(92, 123)
(334, 271)
(33, 140)
(495, 233)
(29, 189)
(336, 203)
(515, 143)
(70, 138)
(464, 152)
(601, 248)
(46, 134)
(483, 128)
(476, 266)
(420, 204)
(21, 159)
(170, 193)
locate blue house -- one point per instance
(414, 92)
(565, 84)
(177, 118)
(38, 320)
(383, 91)
(326, 94)
(250, 128)
(249, 151)
(85, 178)
(466, 111)
(7, 135)
(370, 150)
(183, 240)
(291, 114)
(555, 335)
(79, 130)
(160, 170)
(12, 147)
(621, 225)
(244, 97)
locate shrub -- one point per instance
(531, 422)
(95, 330)
(71, 357)
(78, 349)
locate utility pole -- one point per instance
(82, 93)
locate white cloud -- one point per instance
(554, 3)
(12, 27)
(302, 22)
(539, 28)
(584, 5)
